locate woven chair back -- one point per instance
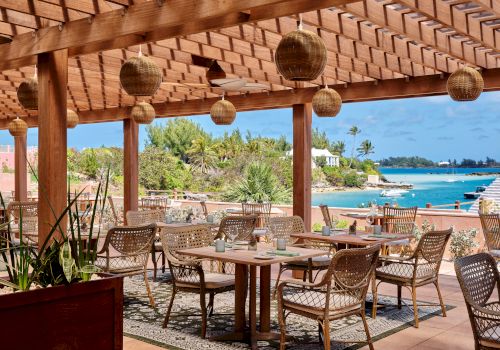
(262, 210)
(491, 230)
(144, 217)
(131, 239)
(297, 224)
(326, 215)
(154, 203)
(399, 220)
(185, 237)
(24, 208)
(352, 269)
(280, 227)
(242, 225)
(478, 277)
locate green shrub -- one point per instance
(317, 227)
(463, 242)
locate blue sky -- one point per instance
(433, 127)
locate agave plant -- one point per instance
(57, 262)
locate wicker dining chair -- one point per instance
(204, 208)
(188, 274)
(399, 221)
(145, 217)
(340, 293)
(117, 218)
(327, 218)
(126, 251)
(417, 270)
(262, 210)
(283, 227)
(491, 230)
(243, 225)
(480, 283)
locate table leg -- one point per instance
(265, 299)
(253, 306)
(241, 278)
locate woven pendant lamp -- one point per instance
(27, 93)
(326, 102)
(465, 84)
(18, 127)
(143, 113)
(140, 76)
(223, 112)
(301, 55)
(72, 119)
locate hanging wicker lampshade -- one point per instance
(326, 102)
(301, 55)
(27, 93)
(465, 84)
(223, 112)
(140, 76)
(143, 113)
(18, 127)
(72, 119)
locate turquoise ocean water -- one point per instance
(427, 188)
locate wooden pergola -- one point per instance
(377, 49)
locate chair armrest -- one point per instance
(490, 314)
(399, 259)
(296, 283)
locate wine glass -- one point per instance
(232, 234)
(335, 222)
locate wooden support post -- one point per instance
(302, 143)
(20, 168)
(130, 165)
(52, 147)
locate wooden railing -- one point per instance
(455, 205)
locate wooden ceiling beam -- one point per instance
(152, 21)
(394, 20)
(430, 85)
(442, 12)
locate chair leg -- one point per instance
(443, 307)
(415, 306)
(326, 334)
(155, 263)
(210, 306)
(310, 273)
(282, 324)
(399, 297)
(148, 289)
(367, 330)
(277, 281)
(203, 315)
(170, 304)
(375, 297)
(163, 262)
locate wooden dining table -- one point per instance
(378, 219)
(360, 239)
(247, 264)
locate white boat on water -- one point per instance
(393, 193)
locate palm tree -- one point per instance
(339, 148)
(365, 148)
(260, 184)
(353, 131)
(202, 155)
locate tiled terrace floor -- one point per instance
(438, 333)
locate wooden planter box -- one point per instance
(86, 316)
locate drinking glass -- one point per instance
(232, 236)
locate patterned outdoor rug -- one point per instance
(143, 322)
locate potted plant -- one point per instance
(50, 299)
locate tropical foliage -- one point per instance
(181, 155)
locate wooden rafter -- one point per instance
(431, 85)
(150, 21)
